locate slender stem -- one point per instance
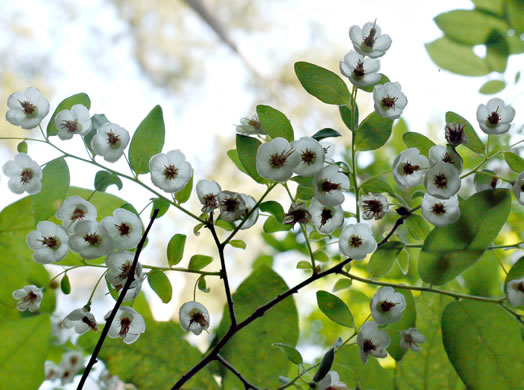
(228, 365)
(94, 289)
(354, 151)
(308, 244)
(145, 207)
(518, 316)
(502, 265)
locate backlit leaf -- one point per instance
(322, 83)
(275, 123)
(373, 132)
(335, 309)
(66, 104)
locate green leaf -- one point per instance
(291, 352)
(263, 260)
(325, 365)
(197, 262)
(104, 179)
(233, 156)
(325, 85)
(302, 264)
(342, 284)
(497, 52)
(147, 141)
(419, 141)
(22, 147)
(25, 345)
(320, 255)
(417, 226)
(273, 208)
(325, 133)
(335, 309)
(493, 6)
(480, 278)
(492, 336)
(225, 225)
(474, 143)
(202, 285)
(349, 116)
(238, 244)
(514, 161)
(55, 184)
(450, 250)
(247, 153)
(161, 285)
(456, 57)
(382, 259)
(305, 192)
(65, 285)
(516, 272)
(376, 186)
(161, 204)
(275, 123)
(403, 261)
(492, 87)
(383, 80)
(183, 195)
(515, 15)
(373, 132)
(407, 321)
(272, 225)
(66, 104)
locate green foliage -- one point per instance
(197, 262)
(161, 204)
(273, 208)
(516, 272)
(275, 123)
(233, 156)
(342, 284)
(247, 152)
(376, 186)
(325, 85)
(184, 194)
(480, 279)
(492, 87)
(161, 285)
(419, 141)
(66, 104)
(349, 116)
(373, 132)
(238, 244)
(325, 365)
(417, 226)
(335, 309)
(104, 179)
(474, 143)
(383, 80)
(497, 52)
(291, 352)
(407, 321)
(514, 161)
(65, 284)
(382, 259)
(272, 225)
(22, 147)
(493, 6)
(325, 133)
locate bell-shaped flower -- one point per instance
(124, 228)
(29, 298)
(81, 320)
(411, 338)
(408, 168)
(207, 191)
(311, 156)
(518, 188)
(250, 126)
(447, 155)
(356, 241)
(361, 71)
(232, 205)
(170, 171)
(373, 206)
(516, 292)
(74, 121)
(331, 382)
(442, 180)
(110, 141)
(24, 175)
(455, 134)
(389, 100)
(326, 218)
(495, 117)
(119, 267)
(372, 341)
(250, 204)
(74, 210)
(329, 186)
(50, 242)
(368, 41)
(387, 306)
(276, 160)
(194, 317)
(52, 370)
(27, 109)
(91, 240)
(128, 325)
(440, 212)
(297, 213)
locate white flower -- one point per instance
(91, 240)
(74, 210)
(71, 363)
(389, 100)
(360, 70)
(356, 241)
(119, 266)
(368, 41)
(128, 325)
(518, 188)
(29, 297)
(124, 227)
(408, 168)
(516, 292)
(372, 341)
(455, 134)
(311, 156)
(250, 126)
(329, 184)
(231, 204)
(373, 206)
(49, 241)
(440, 212)
(170, 171)
(297, 213)
(411, 338)
(442, 180)
(485, 182)
(52, 370)
(331, 382)
(24, 175)
(74, 121)
(110, 141)
(250, 204)
(27, 109)
(326, 218)
(495, 117)
(59, 334)
(439, 153)
(276, 160)
(329, 150)
(387, 306)
(81, 320)
(207, 191)
(194, 317)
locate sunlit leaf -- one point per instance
(373, 132)
(247, 152)
(335, 309)
(514, 161)
(275, 123)
(104, 179)
(322, 83)
(161, 285)
(291, 352)
(197, 262)
(383, 258)
(419, 141)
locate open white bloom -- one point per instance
(73, 121)
(442, 180)
(232, 205)
(373, 206)
(170, 171)
(128, 325)
(27, 109)
(326, 218)
(24, 175)
(29, 297)
(250, 204)
(372, 341)
(440, 212)
(357, 241)
(368, 41)
(81, 320)
(455, 134)
(91, 240)
(194, 317)
(408, 168)
(72, 362)
(124, 227)
(110, 141)
(297, 213)
(516, 292)
(329, 150)
(50, 242)
(329, 184)
(389, 100)
(360, 70)
(411, 338)
(331, 382)
(52, 370)
(207, 191)
(74, 210)
(449, 156)
(495, 117)
(311, 156)
(518, 188)
(387, 306)
(276, 160)
(250, 126)
(119, 267)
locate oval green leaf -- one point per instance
(104, 179)
(161, 285)
(376, 186)
(65, 285)
(161, 204)
(197, 262)
(383, 258)
(247, 153)
(417, 226)
(66, 104)
(325, 85)
(274, 208)
(349, 116)
(22, 147)
(275, 123)
(373, 132)
(291, 352)
(183, 195)
(514, 161)
(238, 244)
(419, 141)
(342, 284)
(325, 133)
(175, 249)
(272, 225)
(335, 309)
(474, 142)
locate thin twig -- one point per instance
(247, 385)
